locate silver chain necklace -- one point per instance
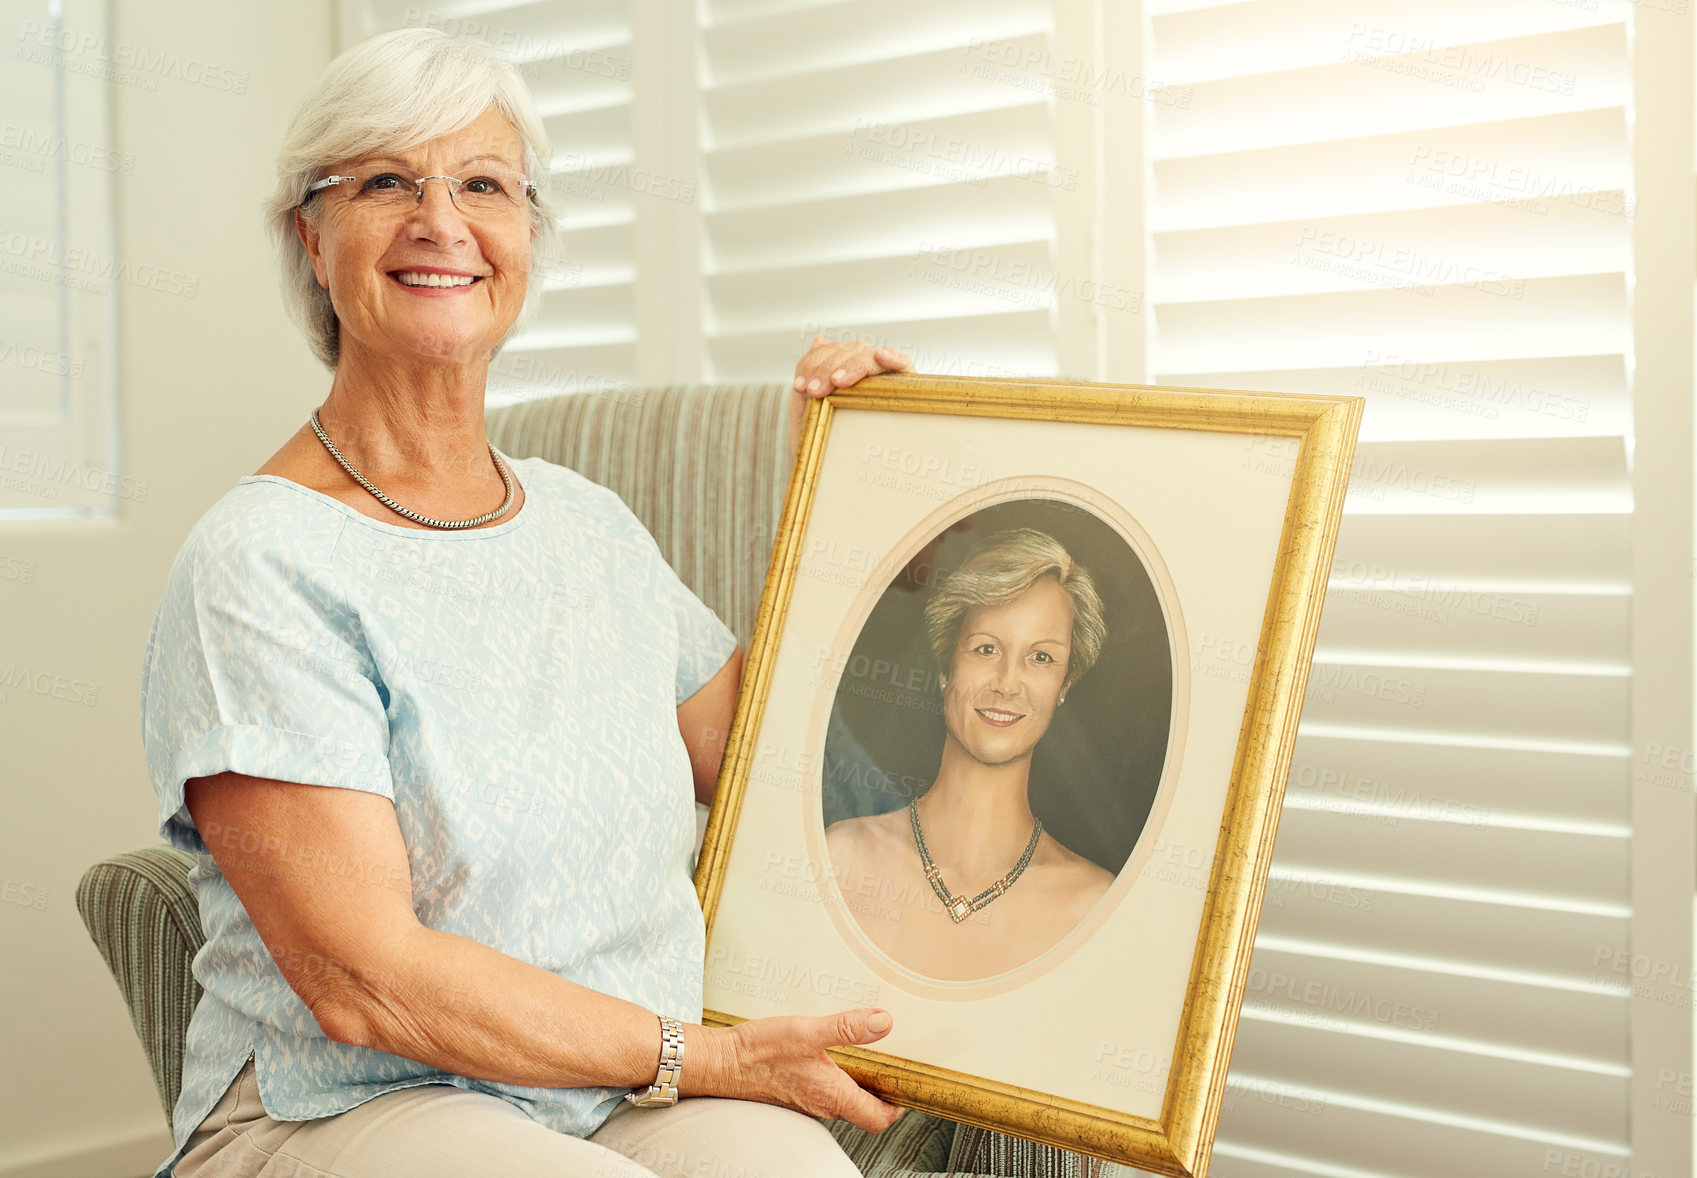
(959, 907)
(500, 469)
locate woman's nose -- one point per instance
(1004, 677)
(436, 217)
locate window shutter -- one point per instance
(879, 169)
(61, 274)
(1425, 204)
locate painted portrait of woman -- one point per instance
(965, 881)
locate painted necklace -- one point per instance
(959, 907)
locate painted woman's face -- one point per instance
(1009, 666)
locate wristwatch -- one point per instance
(664, 1091)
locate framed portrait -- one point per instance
(1012, 743)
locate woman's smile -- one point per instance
(434, 280)
(999, 717)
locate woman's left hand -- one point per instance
(834, 364)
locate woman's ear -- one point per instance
(308, 233)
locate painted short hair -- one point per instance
(1007, 564)
(390, 93)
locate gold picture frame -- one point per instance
(1306, 440)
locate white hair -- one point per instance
(390, 93)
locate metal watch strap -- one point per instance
(664, 1091)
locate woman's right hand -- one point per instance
(782, 1060)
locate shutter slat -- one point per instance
(1519, 163)
(1361, 1137)
(1585, 314)
(1464, 783)
(837, 35)
(1439, 1096)
(1433, 619)
(596, 256)
(924, 86)
(1463, 848)
(580, 79)
(1490, 246)
(1005, 344)
(1004, 210)
(890, 288)
(1530, 706)
(1491, 476)
(1378, 913)
(1517, 78)
(577, 317)
(969, 148)
(1435, 398)
(1277, 35)
(1441, 998)
(1508, 552)
(524, 32)
(589, 139)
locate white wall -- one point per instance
(209, 387)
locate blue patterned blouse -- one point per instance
(512, 689)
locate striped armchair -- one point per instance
(705, 468)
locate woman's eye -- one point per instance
(984, 648)
(482, 186)
(1044, 656)
(383, 182)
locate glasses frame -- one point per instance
(528, 187)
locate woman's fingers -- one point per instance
(858, 1106)
(865, 1110)
(832, 365)
(867, 1024)
(892, 360)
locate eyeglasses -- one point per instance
(487, 192)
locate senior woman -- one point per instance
(1012, 630)
(444, 818)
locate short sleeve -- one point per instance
(704, 641)
(256, 665)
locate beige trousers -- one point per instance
(440, 1130)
